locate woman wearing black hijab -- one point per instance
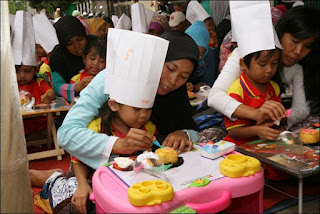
(172, 112)
(66, 58)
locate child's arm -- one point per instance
(80, 197)
(48, 96)
(263, 131)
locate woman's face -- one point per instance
(294, 49)
(174, 75)
(77, 45)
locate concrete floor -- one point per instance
(308, 207)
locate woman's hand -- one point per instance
(270, 110)
(83, 83)
(178, 140)
(80, 197)
(136, 140)
(265, 132)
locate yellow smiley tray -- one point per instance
(150, 193)
(236, 165)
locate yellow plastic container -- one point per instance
(237, 165)
(150, 193)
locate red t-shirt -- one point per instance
(36, 87)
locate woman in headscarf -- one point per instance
(171, 113)
(158, 25)
(98, 27)
(206, 70)
(66, 57)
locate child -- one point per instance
(114, 119)
(259, 60)
(212, 31)
(253, 88)
(25, 60)
(46, 40)
(28, 82)
(206, 70)
(41, 54)
(94, 59)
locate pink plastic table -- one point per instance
(110, 195)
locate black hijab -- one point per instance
(61, 60)
(172, 112)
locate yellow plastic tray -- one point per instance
(150, 193)
(237, 165)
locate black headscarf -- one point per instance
(61, 60)
(172, 112)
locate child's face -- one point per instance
(102, 30)
(40, 51)
(261, 70)
(209, 25)
(25, 74)
(202, 50)
(77, 45)
(108, 26)
(132, 117)
(93, 62)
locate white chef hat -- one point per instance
(139, 19)
(45, 33)
(12, 17)
(196, 12)
(114, 19)
(123, 23)
(149, 15)
(135, 63)
(23, 40)
(252, 25)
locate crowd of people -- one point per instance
(93, 60)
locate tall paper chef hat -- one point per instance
(139, 18)
(252, 26)
(45, 33)
(23, 40)
(123, 23)
(196, 12)
(135, 63)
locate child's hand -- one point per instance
(189, 86)
(83, 83)
(80, 197)
(178, 140)
(136, 140)
(45, 99)
(48, 97)
(265, 132)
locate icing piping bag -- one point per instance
(156, 142)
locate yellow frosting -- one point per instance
(309, 135)
(167, 155)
